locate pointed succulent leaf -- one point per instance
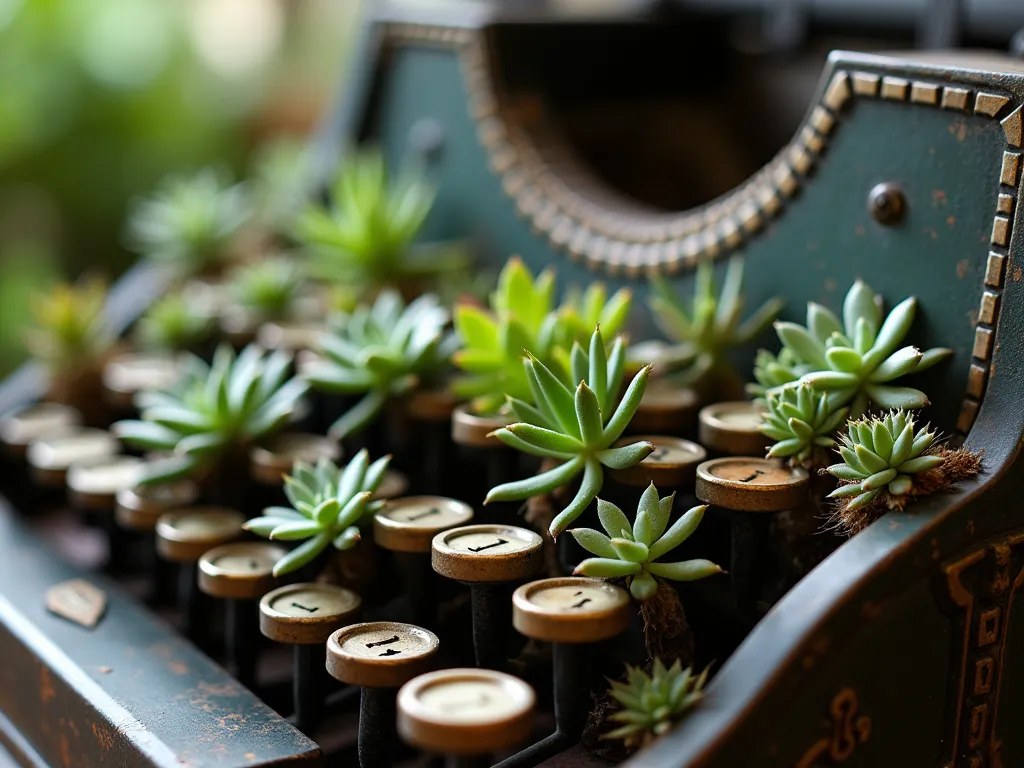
(643, 586)
(687, 570)
(625, 456)
(595, 542)
(613, 519)
(679, 532)
(649, 517)
(302, 555)
(606, 568)
(593, 476)
(533, 486)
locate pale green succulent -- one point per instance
(70, 328)
(632, 551)
(578, 430)
(801, 423)
(327, 505)
(582, 311)
(704, 334)
(651, 705)
(267, 288)
(854, 362)
(379, 350)
(190, 221)
(774, 371)
(281, 179)
(173, 323)
(881, 456)
(213, 410)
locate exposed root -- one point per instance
(540, 512)
(667, 634)
(598, 724)
(957, 465)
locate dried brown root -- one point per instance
(540, 512)
(667, 634)
(598, 724)
(958, 465)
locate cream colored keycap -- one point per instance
(393, 485)
(242, 571)
(381, 654)
(50, 456)
(487, 553)
(465, 711)
(307, 614)
(19, 429)
(409, 524)
(138, 508)
(474, 431)
(127, 375)
(93, 484)
(271, 461)
(672, 463)
(665, 407)
(750, 484)
(732, 428)
(185, 535)
(570, 610)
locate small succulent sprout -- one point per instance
(267, 288)
(327, 504)
(214, 409)
(521, 316)
(651, 705)
(856, 361)
(577, 429)
(801, 423)
(364, 236)
(775, 371)
(379, 350)
(712, 326)
(582, 311)
(881, 456)
(632, 551)
(174, 324)
(70, 328)
(190, 221)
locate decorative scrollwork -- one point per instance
(848, 731)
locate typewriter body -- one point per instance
(618, 146)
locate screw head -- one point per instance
(886, 203)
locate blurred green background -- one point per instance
(100, 98)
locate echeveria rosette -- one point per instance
(881, 456)
(632, 551)
(703, 334)
(327, 505)
(651, 705)
(267, 288)
(378, 350)
(858, 360)
(581, 312)
(70, 328)
(214, 409)
(576, 429)
(801, 423)
(173, 324)
(775, 371)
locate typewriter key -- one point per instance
(666, 408)
(465, 712)
(472, 432)
(393, 485)
(732, 429)
(379, 657)
(19, 429)
(94, 483)
(672, 464)
(50, 456)
(488, 557)
(242, 573)
(751, 490)
(138, 508)
(291, 337)
(268, 463)
(431, 410)
(304, 616)
(128, 374)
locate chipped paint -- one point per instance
(961, 268)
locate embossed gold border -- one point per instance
(635, 243)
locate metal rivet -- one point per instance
(886, 203)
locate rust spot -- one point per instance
(808, 662)
(46, 691)
(958, 129)
(961, 268)
(934, 235)
(970, 527)
(178, 668)
(104, 738)
(939, 197)
(250, 756)
(820, 645)
(1017, 273)
(161, 650)
(830, 284)
(859, 229)
(65, 751)
(951, 220)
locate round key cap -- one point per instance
(748, 484)
(185, 535)
(139, 507)
(465, 711)
(381, 654)
(241, 571)
(732, 428)
(409, 524)
(19, 429)
(472, 430)
(673, 462)
(290, 337)
(487, 553)
(93, 483)
(392, 485)
(570, 610)
(50, 456)
(128, 374)
(268, 463)
(665, 407)
(434, 405)
(307, 614)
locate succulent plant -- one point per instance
(801, 422)
(267, 288)
(282, 178)
(705, 333)
(327, 504)
(576, 429)
(582, 311)
(70, 329)
(213, 411)
(652, 704)
(378, 350)
(632, 551)
(173, 323)
(881, 456)
(364, 237)
(190, 221)
(856, 361)
(522, 316)
(775, 371)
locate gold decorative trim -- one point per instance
(637, 243)
(848, 730)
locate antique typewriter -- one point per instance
(634, 144)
